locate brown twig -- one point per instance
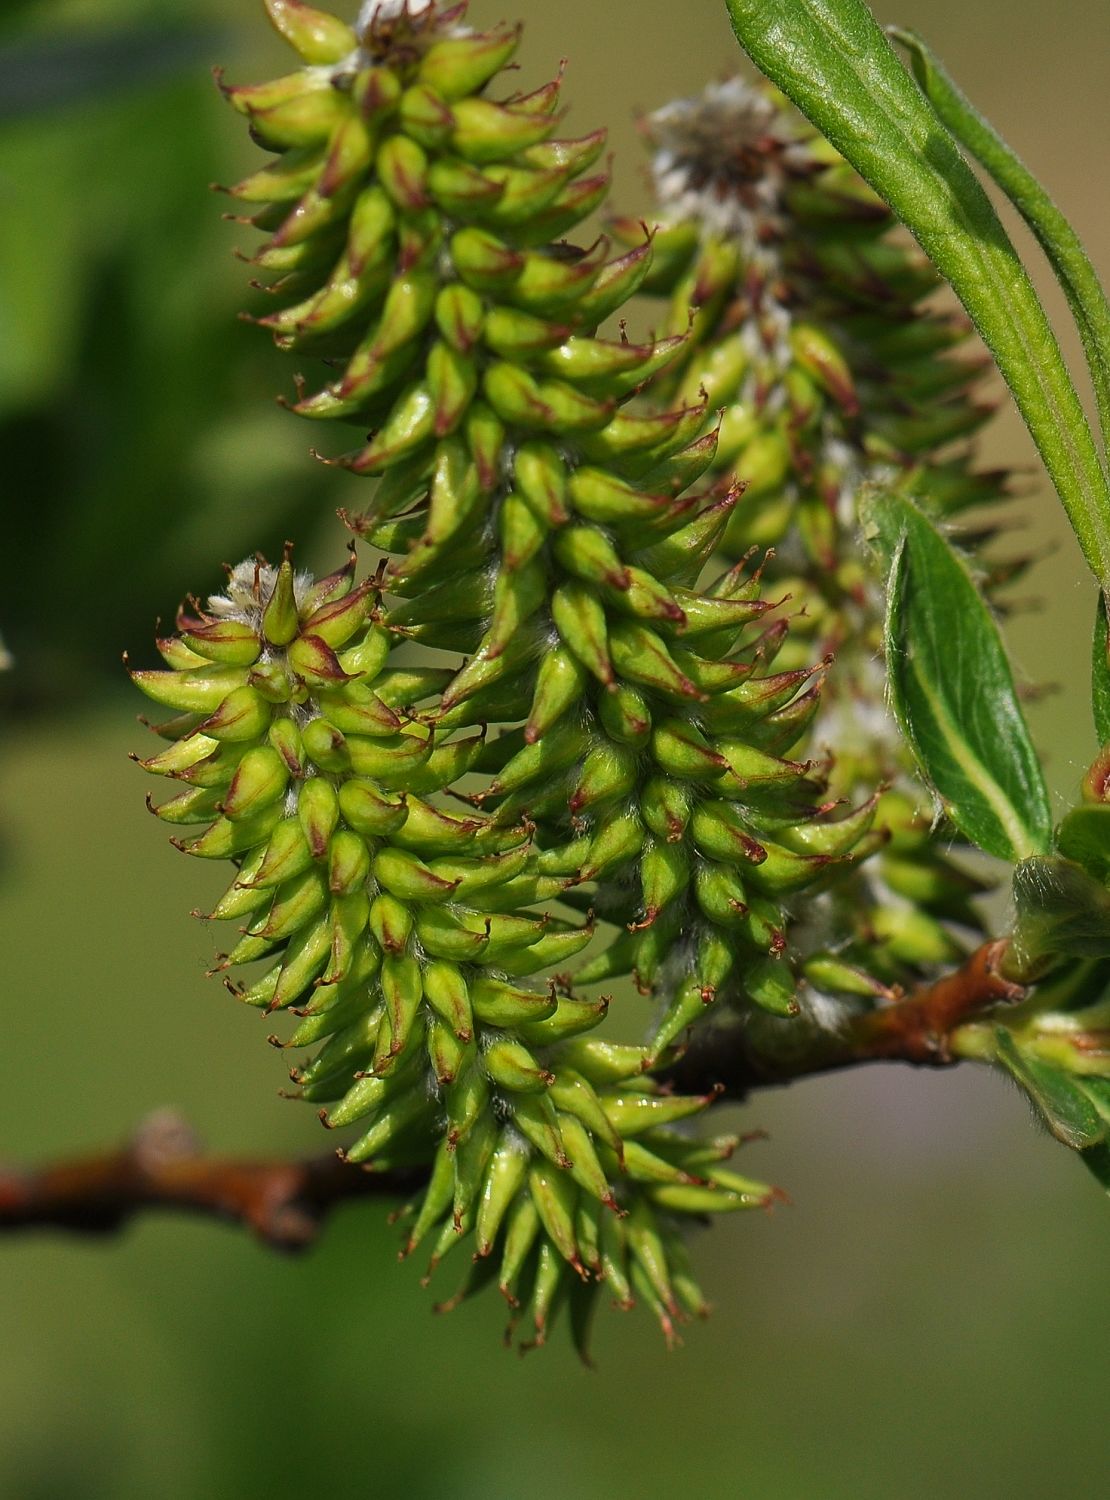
(916, 1030)
(283, 1202)
(919, 1028)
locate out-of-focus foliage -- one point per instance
(138, 443)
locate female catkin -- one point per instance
(622, 734)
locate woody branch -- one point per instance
(285, 1203)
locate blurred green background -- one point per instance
(929, 1318)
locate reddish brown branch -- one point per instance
(919, 1028)
(916, 1030)
(284, 1203)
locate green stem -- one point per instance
(1058, 240)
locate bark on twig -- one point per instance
(916, 1030)
(283, 1202)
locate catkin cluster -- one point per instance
(623, 761)
(811, 331)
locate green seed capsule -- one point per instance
(436, 1201)
(318, 813)
(295, 903)
(685, 1009)
(457, 66)
(570, 1018)
(511, 1066)
(242, 716)
(316, 36)
(287, 854)
(547, 953)
(720, 894)
(496, 1003)
(664, 874)
(460, 316)
(407, 1115)
(231, 642)
(625, 715)
(391, 923)
(580, 620)
(771, 984)
(402, 991)
(447, 993)
(683, 751)
(472, 1159)
(505, 1176)
(348, 862)
(468, 1100)
(615, 845)
(667, 805)
(409, 878)
(574, 1096)
(225, 839)
(370, 811)
(197, 806)
(548, 287)
(555, 1198)
(485, 132)
(326, 746)
(522, 1229)
(608, 772)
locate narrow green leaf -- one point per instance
(1100, 673)
(1084, 836)
(832, 60)
(1075, 1107)
(1061, 912)
(1097, 1161)
(1098, 1092)
(1058, 240)
(951, 687)
(1063, 1105)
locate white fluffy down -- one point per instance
(249, 585)
(698, 144)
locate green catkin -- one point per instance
(808, 338)
(631, 739)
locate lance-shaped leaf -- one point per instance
(1100, 673)
(1059, 1098)
(951, 687)
(1074, 1106)
(1096, 1158)
(1056, 237)
(832, 60)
